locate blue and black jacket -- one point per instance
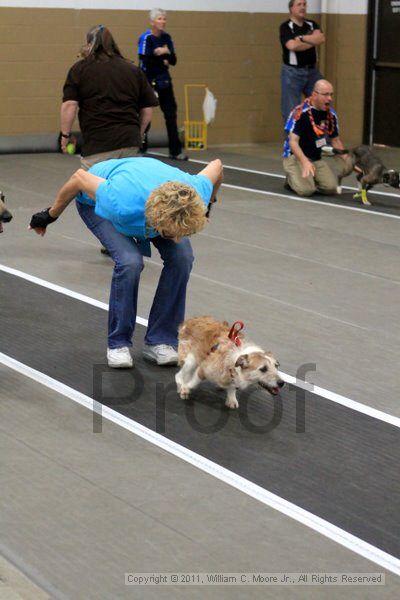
(157, 72)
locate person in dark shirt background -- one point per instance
(299, 38)
(113, 100)
(156, 54)
(112, 97)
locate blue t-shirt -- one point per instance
(129, 181)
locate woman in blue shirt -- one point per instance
(128, 204)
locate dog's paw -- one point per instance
(184, 393)
(362, 194)
(232, 403)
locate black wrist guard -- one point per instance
(42, 219)
(212, 201)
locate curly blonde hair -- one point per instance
(175, 210)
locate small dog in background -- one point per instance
(369, 168)
(211, 350)
(5, 215)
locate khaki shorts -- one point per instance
(89, 161)
(328, 173)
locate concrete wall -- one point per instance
(343, 63)
(237, 54)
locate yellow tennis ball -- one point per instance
(70, 148)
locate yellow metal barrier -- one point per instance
(195, 130)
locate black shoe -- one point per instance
(180, 156)
(104, 251)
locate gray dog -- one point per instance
(5, 215)
(369, 168)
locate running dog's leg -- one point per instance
(186, 372)
(231, 400)
(364, 197)
(193, 383)
(362, 193)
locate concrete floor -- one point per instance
(316, 284)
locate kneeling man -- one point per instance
(311, 126)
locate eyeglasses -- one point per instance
(326, 94)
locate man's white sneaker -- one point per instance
(119, 358)
(162, 354)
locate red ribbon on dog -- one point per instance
(234, 332)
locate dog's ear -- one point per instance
(242, 361)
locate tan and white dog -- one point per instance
(207, 350)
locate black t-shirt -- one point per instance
(110, 94)
(288, 31)
(310, 141)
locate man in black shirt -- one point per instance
(311, 126)
(299, 39)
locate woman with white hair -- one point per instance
(156, 54)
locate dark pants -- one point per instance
(169, 108)
(296, 82)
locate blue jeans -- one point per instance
(168, 308)
(294, 83)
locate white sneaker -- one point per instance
(162, 354)
(180, 156)
(119, 358)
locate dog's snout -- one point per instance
(281, 383)
(6, 216)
